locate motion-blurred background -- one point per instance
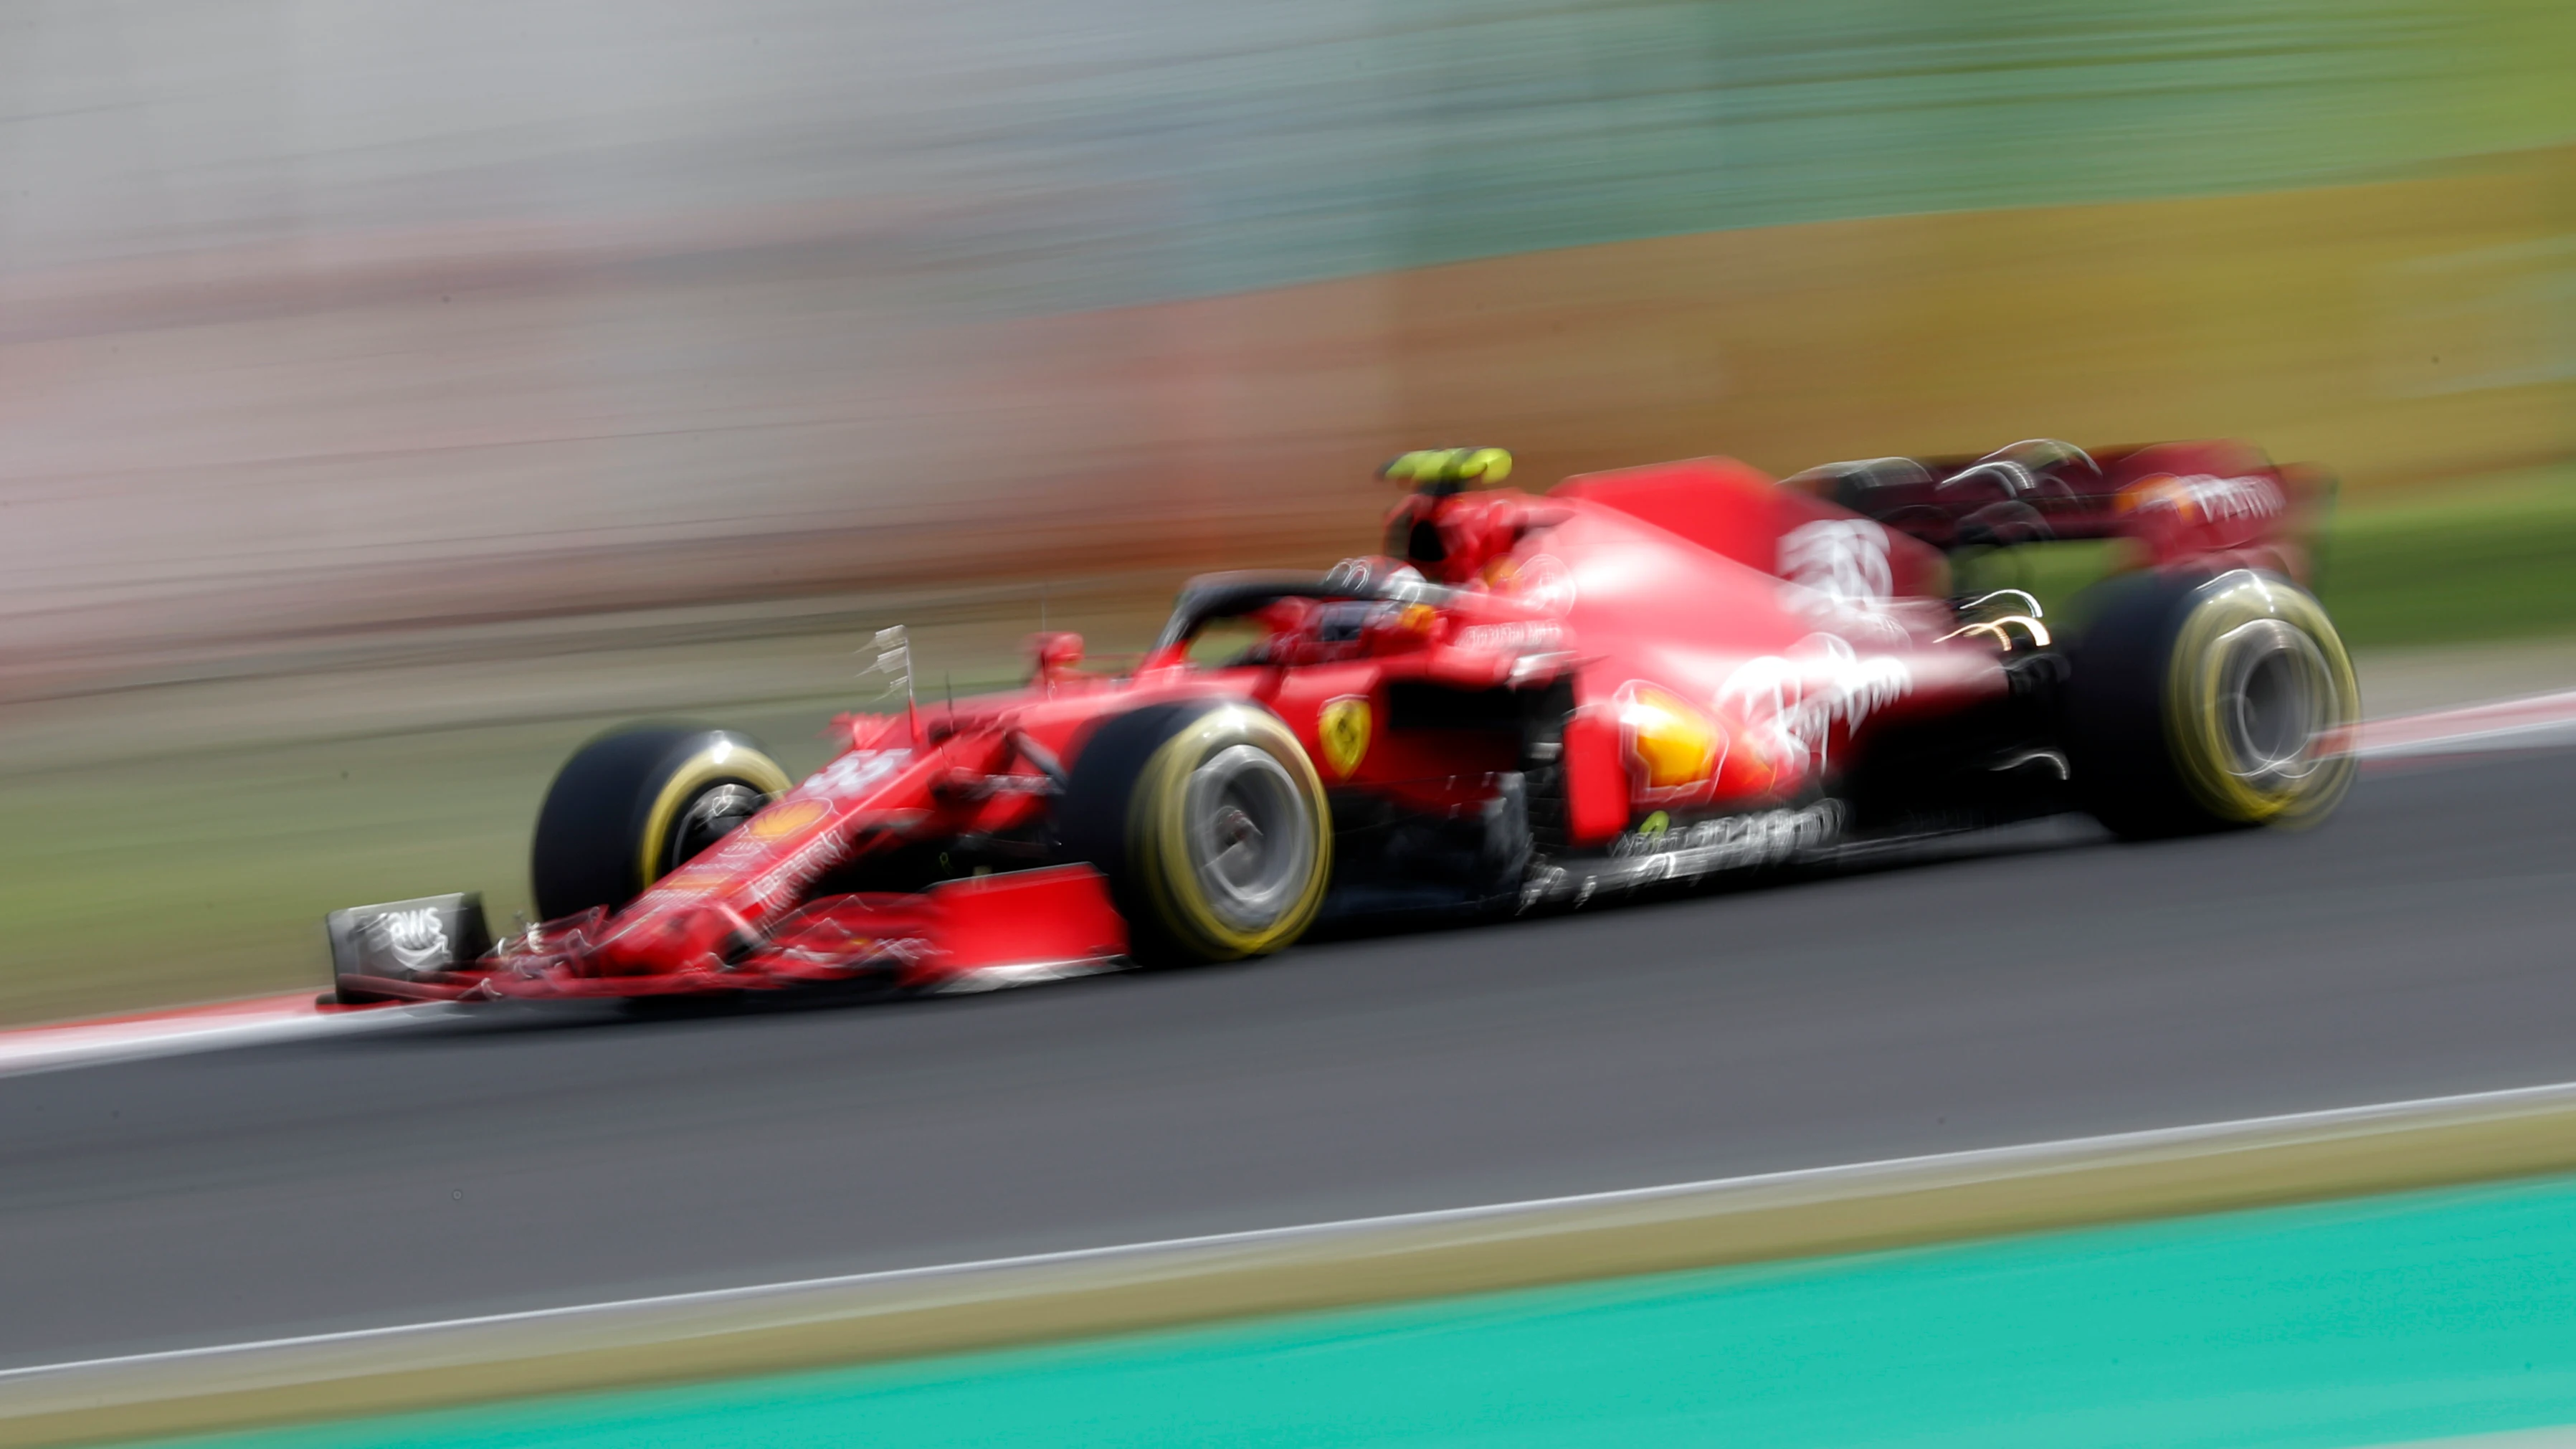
(391, 394)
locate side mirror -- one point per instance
(1056, 653)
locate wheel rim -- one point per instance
(710, 816)
(1250, 841)
(2274, 692)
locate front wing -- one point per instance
(973, 934)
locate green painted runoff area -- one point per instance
(2371, 1321)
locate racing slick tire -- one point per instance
(633, 804)
(1209, 822)
(2197, 703)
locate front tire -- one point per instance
(1209, 822)
(2200, 703)
(634, 804)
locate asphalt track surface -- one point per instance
(2417, 945)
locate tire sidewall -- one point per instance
(698, 764)
(1125, 812)
(605, 827)
(2193, 701)
(2140, 722)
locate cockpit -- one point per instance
(1362, 609)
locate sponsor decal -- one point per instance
(852, 774)
(1841, 558)
(1764, 837)
(415, 939)
(786, 818)
(1343, 730)
(1534, 636)
(1837, 573)
(2202, 498)
(1791, 703)
(791, 875)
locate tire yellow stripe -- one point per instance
(1161, 840)
(2195, 733)
(715, 763)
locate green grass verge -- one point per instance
(2492, 561)
(203, 876)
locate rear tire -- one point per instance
(2196, 703)
(632, 805)
(1209, 822)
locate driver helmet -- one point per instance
(1379, 576)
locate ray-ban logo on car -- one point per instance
(416, 939)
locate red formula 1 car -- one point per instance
(1637, 678)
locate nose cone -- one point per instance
(670, 938)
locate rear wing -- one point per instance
(2181, 501)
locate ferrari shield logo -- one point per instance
(1344, 730)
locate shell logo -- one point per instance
(1674, 743)
(786, 818)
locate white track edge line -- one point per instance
(2526, 734)
(2038, 1153)
(27, 1059)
